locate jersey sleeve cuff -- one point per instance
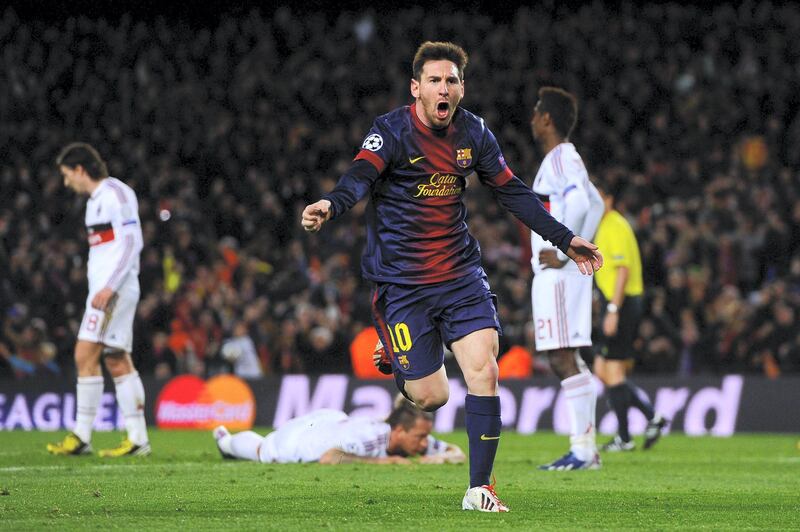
(563, 246)
(503, 177)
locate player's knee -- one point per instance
(429, 404)
(563, 364)
(84, 363)
(87, 358)
(117, 362)
(488, 370)
(432, 400)
(482, 380)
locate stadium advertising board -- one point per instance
(189, 402)
(717, 406)
(697, 410)
(37, 409)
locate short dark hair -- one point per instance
(435, 51)
(562, 107)
(405, 413)
(610, 187)
(83, 154)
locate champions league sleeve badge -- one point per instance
(373, 142)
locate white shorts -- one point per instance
(114, 327)
(562, 309)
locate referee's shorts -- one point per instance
(620, 346)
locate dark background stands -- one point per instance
(227, 122)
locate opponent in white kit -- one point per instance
(331, 437)
(562, 297)
(115, 241)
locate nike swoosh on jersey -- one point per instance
(485, 437)
(416, 159)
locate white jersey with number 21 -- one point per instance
(562, 297)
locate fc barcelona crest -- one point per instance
(464, 157)
(402, 360)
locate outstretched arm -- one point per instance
(578, 214)
(338, 456)
(523, 203)
(352, 186)
(315, 215)
(585, 254)
(452, 454)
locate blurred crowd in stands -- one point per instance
(227, 128)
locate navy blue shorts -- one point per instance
(413, 321)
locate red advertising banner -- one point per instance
(189, 402)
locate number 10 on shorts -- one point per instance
(401, 337)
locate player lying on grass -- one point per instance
(331, 437)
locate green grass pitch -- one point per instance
(744, 482)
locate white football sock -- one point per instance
(581, 396)
(89, 393)
(245, 445)
(224, 444)
(130, 398)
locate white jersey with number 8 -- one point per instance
(115, 240)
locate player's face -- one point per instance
(438, 93)
(414, 441)
(538, 122)
(74, 178)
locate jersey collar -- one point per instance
(565, 143)
(98, 189)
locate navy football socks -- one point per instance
(483, 429)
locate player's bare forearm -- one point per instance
(102, 299)
(585, 254)
(611, 324)
(619, 286)
(338, 456)
(452, 455)
(549, 259)
(611, 320)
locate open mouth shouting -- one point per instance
(442, 110)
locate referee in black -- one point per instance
(621, 288)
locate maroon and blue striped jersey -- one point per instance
(416, 177)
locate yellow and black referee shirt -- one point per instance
(617, 243)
